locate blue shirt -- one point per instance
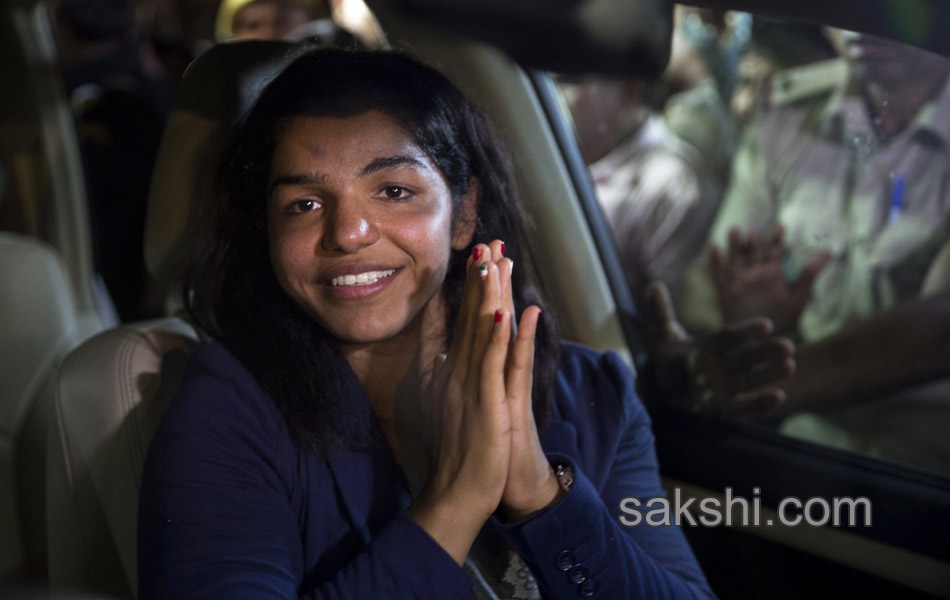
(231, 507)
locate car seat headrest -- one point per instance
(215, 92)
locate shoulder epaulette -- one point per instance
(807, 82)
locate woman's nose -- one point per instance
(350, 227)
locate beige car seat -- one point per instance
(50, 298)
(113, 389)
(39, 324)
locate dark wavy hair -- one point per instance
(231, 292)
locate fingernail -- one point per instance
(511, 267)
(503, 248)
(498, 316)
(476, 253)
(483, 271)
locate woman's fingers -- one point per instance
(492, 383)
(494, 274)
(531, 484)
(472, 291)
(497, 248)
(505, 266)
(483, 326)
(479, 281)
(521, 364)
(462, 333)
(487, 290)
(506, 294)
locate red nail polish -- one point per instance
(498, 316)
(503, 248)
(476, 253)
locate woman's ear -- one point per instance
(463, 227)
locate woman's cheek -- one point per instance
(289, 258)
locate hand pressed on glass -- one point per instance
(737, 370)
(751, 281)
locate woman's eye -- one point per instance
(394, 192)
(302, 206)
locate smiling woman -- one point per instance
(370, 418)
(359, 212)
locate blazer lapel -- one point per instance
(370, 482)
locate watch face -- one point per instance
(565, 476)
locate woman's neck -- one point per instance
(395, 372)
(386, 368)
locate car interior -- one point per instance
(81, 393)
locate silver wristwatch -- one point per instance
(565, 476)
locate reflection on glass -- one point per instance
(806, 180)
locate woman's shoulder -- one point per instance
(213, 362)
(220, 445)
(582, 365)
(211, 358)
(597, 381)
(217, 387)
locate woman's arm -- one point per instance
(574, 543)
(580, 546)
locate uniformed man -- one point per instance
(835, 218)
(851, 162)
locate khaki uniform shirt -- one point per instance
(816, 166)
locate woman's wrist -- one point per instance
(451, 525)
(550, 493)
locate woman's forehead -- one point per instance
(372, 130)
(361, 145)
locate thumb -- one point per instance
(662, 314)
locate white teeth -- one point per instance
(361, 278)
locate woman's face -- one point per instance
(360, 224)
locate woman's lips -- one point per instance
(364, 278)
(356, 282)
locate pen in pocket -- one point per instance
(896, 206)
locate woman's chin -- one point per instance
(364, 333)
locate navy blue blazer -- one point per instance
(231, 507)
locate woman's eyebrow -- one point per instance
(388, 162)
(377, 164)
(296, 179)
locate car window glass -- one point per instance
(799, 173)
